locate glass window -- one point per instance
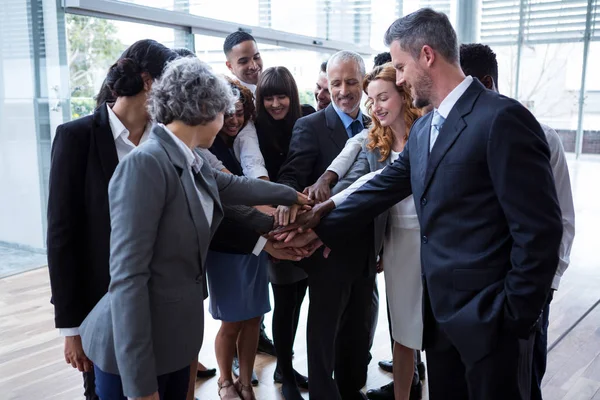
(94, 44)
(549, 85)
(591, 110)
(303, 64)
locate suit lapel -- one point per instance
(189, 188)
(451, 130)
(105, 141)
(210, 186)
(337, 131)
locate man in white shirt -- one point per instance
(243, 58)
(479, 60)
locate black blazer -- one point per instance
(316, 141)
(489, 216)
(274, 142)
(83, 160)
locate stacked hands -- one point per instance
(293, 237)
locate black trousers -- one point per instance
(288, 301)
(89, 385)
(338, 331)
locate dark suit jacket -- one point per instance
(489, 215)
(84, 158)
(316, 140)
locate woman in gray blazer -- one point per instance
(165, 205)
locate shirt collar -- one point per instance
(448, 103)
(250, 86)
(192, 159)
(346, 119)
(119, 130)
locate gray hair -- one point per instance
(347, 56)
(190, 92)
(424, 27)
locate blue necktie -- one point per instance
(436, 125)
(356, 127)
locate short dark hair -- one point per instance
(324, 66)
(124, 77)
(424, 27)
(382, 58)
(235, 38)
(184, 52)
(479, 60)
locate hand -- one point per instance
(379, 265)
(74, 354)
(307, 220)
(303, 200)
(320, 191)
(308, 241)
(285, 215)
(287, 253)
(153, 396)
(268, 210)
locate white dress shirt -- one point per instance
(558, 163)
(247, 151)
(343, 162)
(448, 104)
(121, 134)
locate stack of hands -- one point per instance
(293, 237)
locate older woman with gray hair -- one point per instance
(165, 204)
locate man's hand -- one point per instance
(153, 396)
(320, 191)
(308, 241)
(74, 354)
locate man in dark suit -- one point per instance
(478, 168)
(84, 157)
(341, 287)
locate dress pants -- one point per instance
(171, 386)
(338, 330)
(540, 351)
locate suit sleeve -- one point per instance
(138, 180)
(518, 161)
(304, 150)
(240, 230)
(362, 206)
(359, 168)
(241, 190)
(65, 216)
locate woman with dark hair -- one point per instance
(85, 153)
(238, 283)
(278, 109)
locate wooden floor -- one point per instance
(32, 365)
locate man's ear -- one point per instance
(488, 82)
(428, 54)
(228, 64)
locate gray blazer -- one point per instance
(367, 161)
(151, 320)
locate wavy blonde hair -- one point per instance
(382, 137)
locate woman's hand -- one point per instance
(307, 220)
(303, 200)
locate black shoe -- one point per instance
(265, 345)
(301, 380)
(235, 368)
(387, 366)
(208, 373)
(421, 369)
(386, 392)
